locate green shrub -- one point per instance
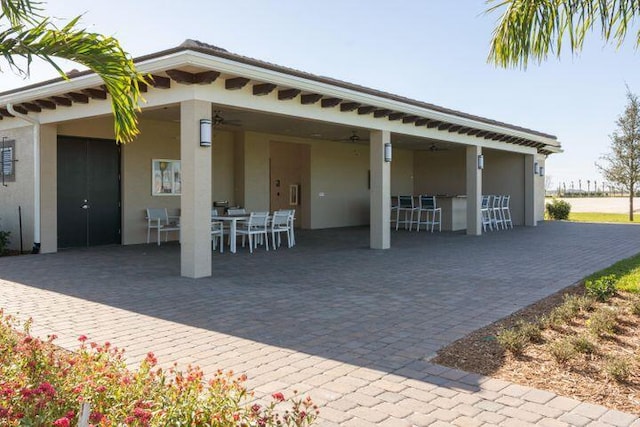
(602, 322)
(635, 306)
(512, 340)
(618, 369)
(583, 344)
(558, 209)
(530, 331)
(602, 288)
(562, 350)
(4, 241)
(560, 315)
(577, 303)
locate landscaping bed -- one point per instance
(572, 343)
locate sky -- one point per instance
(430, 50)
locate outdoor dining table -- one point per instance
(233, 223)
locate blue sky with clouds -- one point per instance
(431, 50)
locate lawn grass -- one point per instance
(627, 272)
(602, 217)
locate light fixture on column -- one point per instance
(205, 132)
(536, 168)
(541, 170)
(480, 161)
(387, 152)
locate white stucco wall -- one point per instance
(504, 174)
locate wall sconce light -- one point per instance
(205, 132)
(536, 168)
(541, 170)
(387, 152)
(480, 161)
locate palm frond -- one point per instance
(534, 29)
(99, 53)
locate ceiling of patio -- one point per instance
(253, 121)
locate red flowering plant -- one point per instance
(42, 385)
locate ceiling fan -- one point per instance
(218, 120)
(435, 147)
(354, 138)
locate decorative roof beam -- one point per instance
(409, 119)
(473, 132)
(444, 126)
(310, 98)
(348, 106)
(4, 112)
(160, 82)
(367, 109)
(236, 83)
(185, 77)
(20, 109)
(482, 133)
(286, 94)
(330, 102)
(433, 123)
(29, 106)
(95, 93)
(421, 122)
(381, 113)
(43, 103)
(455, 128)
(78, 97)
(464, 130)
(262, 89)
(396, 116)
(61, 100)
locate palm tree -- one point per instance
(25, 34)
(533, 29)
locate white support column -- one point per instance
(195, 203)
(529, 190)
(474, 191)
(49, 188)
(380, 193)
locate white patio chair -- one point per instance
(496, 212)
(217, 235)
(485, 213)
(506, 211)
(432, 213)
(280, 224)
(158, 219)
(255, 226)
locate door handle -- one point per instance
(85, 205)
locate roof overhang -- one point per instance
(198, 63)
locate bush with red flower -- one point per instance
(42, 385)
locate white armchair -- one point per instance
(158, 220)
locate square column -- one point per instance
(474, 191)
(195, 203)
(380, 193)
(529, 190)
(49, 189)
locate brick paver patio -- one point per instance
(350, 326)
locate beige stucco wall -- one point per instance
(440, 172)
(402, 174)
(339, 184)
(20, 192)
(504, 174)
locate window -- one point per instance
(7, 160)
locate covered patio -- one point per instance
(330, 318)
(343, 149)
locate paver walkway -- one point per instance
(350, 326)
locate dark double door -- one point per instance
(88, 192)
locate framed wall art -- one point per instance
(166, 177)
